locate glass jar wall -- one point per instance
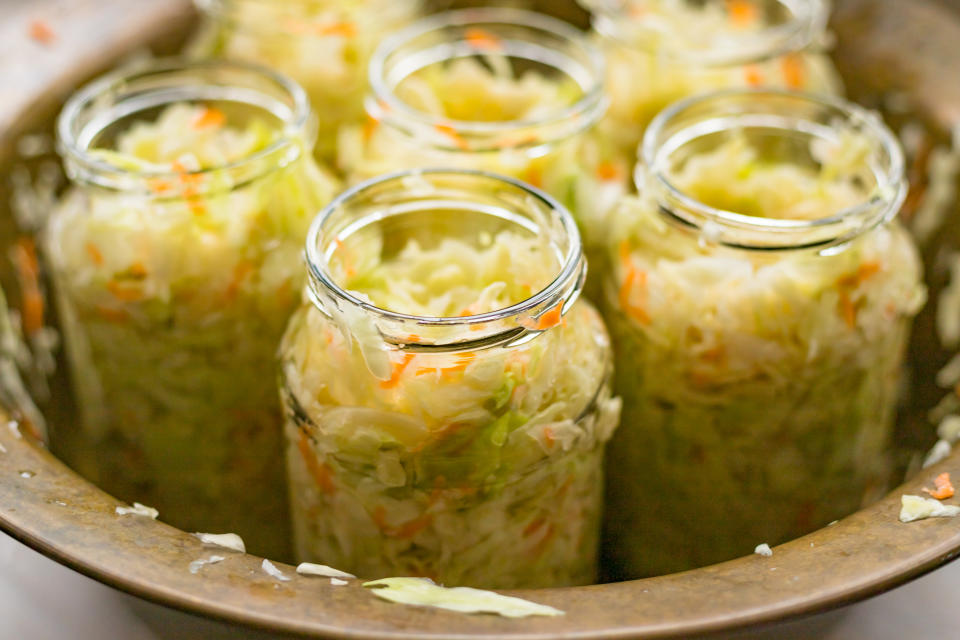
(176, 264)
(446, 392)
(759, 293)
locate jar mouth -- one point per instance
(156, 84)
(800, 23)
(778, 113)
(523, 36)
(418, 190)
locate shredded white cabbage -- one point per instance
(918, 508)
(197, 565)
(225, 540)
(424, 593)
(763, 550)
(138, 510)
(311, 569)
(271, 570)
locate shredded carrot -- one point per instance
(240, 273)
(454, 136)
(743, 13)
(944, 488)
(637, 11)
(369, 127)
(483, 39)
(321, 473)
(548, 437)
(398, 368)
(346, 258)
(28, 276)
(794, 71)
(124, 294)
(848, 311)
(159, 185)
(210, 119)
(535, 177)
(405, 530)
(95, 256)
(117, 316)
(137, 271)
(531, 528)
(608, 171)
(343, 29)
(754, 75)
(551, 318)
(635, 279)
(41, 32)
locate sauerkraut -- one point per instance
(502, 101)
(759, 387)
(659, 51)
(173, 300)
(479, 467)
(324, 45)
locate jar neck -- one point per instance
(523, 42)
(109, 106)
(742, 32)
(781, 119)
(425, 199)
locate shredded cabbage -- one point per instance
(660, 56)
(424, 593)
(759, 387)
(172, 303)
(913, 508)
(325, 45)
(576, 170)
(480, 468)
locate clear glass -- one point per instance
(463, 447)
(323, 44)
(492, 89)
(758, 347)
(174, 283)
(661, 51)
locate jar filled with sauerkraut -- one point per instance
(759, 292)
(325, 45)
(446, 391)
(492, 89)
(660, 51)
(176, 263)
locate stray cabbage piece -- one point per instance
(425, 593)
(196, 565)
(914, 508)
(410, 453)
(311, 569)
(271, 570)
(188, 266)
(660, 51)
(225, 540)
(938, 453)
(763, 550)
(751, 335)
(324, 45)
(138, 510)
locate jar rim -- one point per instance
(384, 105)
(74, 137)
(565, 287)
(881, 206)
(808, 21)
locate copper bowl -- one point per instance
(885, 48)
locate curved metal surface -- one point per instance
(50, 508)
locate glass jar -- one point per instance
(176, 263)
(325, 45)
(446, 392)
(759, 294)
(660, 51)
(495, 89)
